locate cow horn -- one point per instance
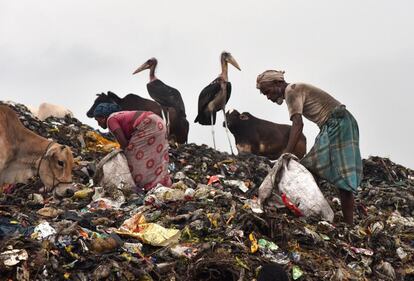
(49, 152)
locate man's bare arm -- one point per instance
(295, 132)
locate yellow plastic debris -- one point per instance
(149, 233)
(83, 193)
(96, 142)
(213, 219)
(254, 247)
(70, 252)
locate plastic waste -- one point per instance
(133, 248)
(205, 191)
(377, 228)
(213, 179)
(289, 177)
(96, 142)
(237, 183)
(396, 219)
(149, 233)
(35, 199)
(83, 193)
(183, 251)
(166, 194)
(189, 194)
(363, 251)
(214, 219)
(401, 253)
(279, 258)
(254, 205)
(107, 199)
(43, 231)
(13, 257)
(296, 272)
(295, 256)
(254, 246)
(264, 244)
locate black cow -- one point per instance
(179, 125)
(261, 137)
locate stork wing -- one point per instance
(208, 94)
(166, 95)
(228, 91)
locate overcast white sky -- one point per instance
(361, 52)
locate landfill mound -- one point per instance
(202, 228)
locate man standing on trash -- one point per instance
(143, 137)
(335, 155)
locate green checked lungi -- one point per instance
(335, 156)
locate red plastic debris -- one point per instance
(291, 206)
(213, 179)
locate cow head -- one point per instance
(55, 170)
(101, 98)
(234, 118)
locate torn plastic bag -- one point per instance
(107, 198)
(166, 194)
(113, 173)
(289, 179)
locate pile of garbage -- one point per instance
(205, 227)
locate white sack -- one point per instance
(112, 173)
(290, 177)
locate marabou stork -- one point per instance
(165, 95)
(215, 96)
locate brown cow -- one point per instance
(261, 137)
(25, 154)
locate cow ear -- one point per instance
(62, 147)
(111, 94)
(243, 117)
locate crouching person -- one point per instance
(143, 137)
(335, 155)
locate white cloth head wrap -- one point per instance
(269, 76)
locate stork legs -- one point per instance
(212, 129)
(166, 117)
(168, 122)
(227, 131)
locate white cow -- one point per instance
(46, 110)
(33, 110)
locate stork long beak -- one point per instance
(233, 62)
(141, 68)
